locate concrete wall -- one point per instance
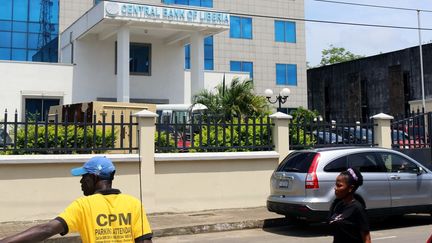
(40, 187)
(23, 79)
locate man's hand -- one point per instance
(36, 233)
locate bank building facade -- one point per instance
(150, 51)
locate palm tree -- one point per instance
(238, 99)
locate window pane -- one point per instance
(246, 25)
(183, 2)
(6, 10)
(280, 74)
(30, 54)
(235, 66)
(33, 108)
(33, 41)
(54, 12)
(292, 74)
(19, 54)
(279, 31)
(187, 56)
(208, 40)
(5, 39)
(195, 3)
(35, 10)
(20, 9)
(139, 55)
(248, 67)
(207, 3)
(6, 25)
(5, 54)
(208, 64)
(19, 26)
(47, 103)
(290, 32)
(34, 27)
(338, 165)
(168, 1)
(19, 40)
(235, 27)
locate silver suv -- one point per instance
(302, 186)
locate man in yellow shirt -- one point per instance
(103, 215)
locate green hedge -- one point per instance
(63, 138)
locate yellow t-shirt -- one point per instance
(112, 217)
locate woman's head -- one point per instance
(348, 182)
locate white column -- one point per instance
(123, 64)
(382, 130)
(197, 63)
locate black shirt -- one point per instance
(348, 222)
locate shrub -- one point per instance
(52, 141)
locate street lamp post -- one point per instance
(281, 98)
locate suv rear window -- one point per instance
(297, 162)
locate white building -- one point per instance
(135, 51)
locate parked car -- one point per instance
(325, 137)
(358, 135)
(8, 141)
(302, 186)
(402, 139)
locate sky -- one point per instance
(365, 41)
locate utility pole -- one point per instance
(421, 61)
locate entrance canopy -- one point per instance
(172, 24)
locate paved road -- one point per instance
(412, 228)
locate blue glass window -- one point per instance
(139, 58)
(187, 56)
(286, 74)
(285, 31)
(199, 3)
(208, 54)
(240, 27)
(6, 10)
(31, 28)
(5, 39)
(241, 66)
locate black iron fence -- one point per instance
(314, 133)
(412, 131)
(68, 133)
(213, 133)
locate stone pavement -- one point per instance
(168, 224)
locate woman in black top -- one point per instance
(348, 218)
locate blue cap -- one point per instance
(100, 166)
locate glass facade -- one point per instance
(240, 27)
(208, 54)
(29, 30)
(240, 66)
(286, 74)
(285, 31)
(199, 3)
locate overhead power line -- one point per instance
(374, 6)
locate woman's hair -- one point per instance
(354, 177)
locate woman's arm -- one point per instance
(366, 237)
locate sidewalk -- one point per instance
(168, 224)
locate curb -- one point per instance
(195, 229)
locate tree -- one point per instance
(237, 99)
(334, 55)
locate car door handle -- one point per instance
(395, 177)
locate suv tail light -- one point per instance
(311, 177)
